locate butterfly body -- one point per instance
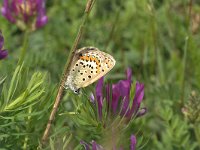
(89, 64)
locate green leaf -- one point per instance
(14, 83)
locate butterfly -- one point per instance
(89, 64)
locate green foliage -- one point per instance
(31, 94)
(18, 107)
(158, 39)
(192, 108)
(174, 132)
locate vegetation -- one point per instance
(157, 39)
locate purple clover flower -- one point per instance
(25, 11)
(121, 92)
(3, 53)
(133, 142)
(94, 146)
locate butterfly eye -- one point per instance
(77, 91)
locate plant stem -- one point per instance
(196, 128)
(183, 71)
(24, 47)
(185, 53)
(111, 34)
(66, 70)
(27, 126)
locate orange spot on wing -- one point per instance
(92, 59)
(85, 58)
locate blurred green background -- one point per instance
(157, 39)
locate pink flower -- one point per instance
(26, 11)
(3, 53)
(118, 97)
(94, 146)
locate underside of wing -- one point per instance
(89, 65)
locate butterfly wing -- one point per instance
(89, 65)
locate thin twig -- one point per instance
(66, 70)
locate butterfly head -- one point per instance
(77, 91)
